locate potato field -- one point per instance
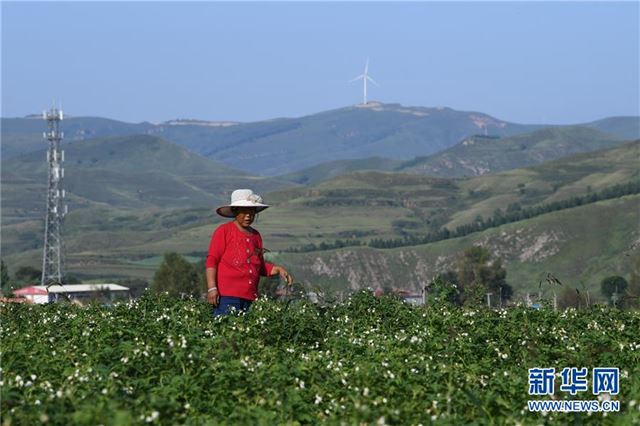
(367, 360)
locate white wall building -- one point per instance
(79, 292)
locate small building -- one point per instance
(33, 294)
(74, 292)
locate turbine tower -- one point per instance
(52, 262)
(364, 78)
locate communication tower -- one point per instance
(52, 262)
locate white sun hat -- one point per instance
(242, 198)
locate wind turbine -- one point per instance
(364, 78)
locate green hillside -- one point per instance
(24, 135)
(479, 155)
(556, 243)
(623, 127)
(551, 181)
(580, 246)
(474, 156)
(316, 174)
(388, 205)
(132, 172)
(107, 240)
(124, 154)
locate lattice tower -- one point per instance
(52, 258)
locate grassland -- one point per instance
(109, 237)
(557, 242)
(580, 246)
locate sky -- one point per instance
(524, 62)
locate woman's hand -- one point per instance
(213, 297)
(283, 274)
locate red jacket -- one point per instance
(238, 260)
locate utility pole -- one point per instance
(489, 299)
(52, 261)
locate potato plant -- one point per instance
(365, 361)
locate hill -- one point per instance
(103, 241)
(316, 174)
(479, 155)
(623, 127)
(131, 172)
(390, 203)
(384, 130)
(285, 145)
(24, 135)
(555, 242)
(288, 144)
(474, 156)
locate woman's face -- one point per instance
(245, 216)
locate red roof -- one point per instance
(30, 291)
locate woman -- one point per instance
(235, 261)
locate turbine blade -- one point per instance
(357, 78)
(373, 81)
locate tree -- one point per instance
(5, 280)
(26, 274)
(136, 286)
(443, 289)
(632, 296)
(571, 298)
(479, 273)
(613, 288)
(177, 277)
(506, 292)
(201, 271)
(71, 279)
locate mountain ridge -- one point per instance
(475, 155)
(125, 172)
(285, 145)
(478, 155)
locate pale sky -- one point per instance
(154, 61)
